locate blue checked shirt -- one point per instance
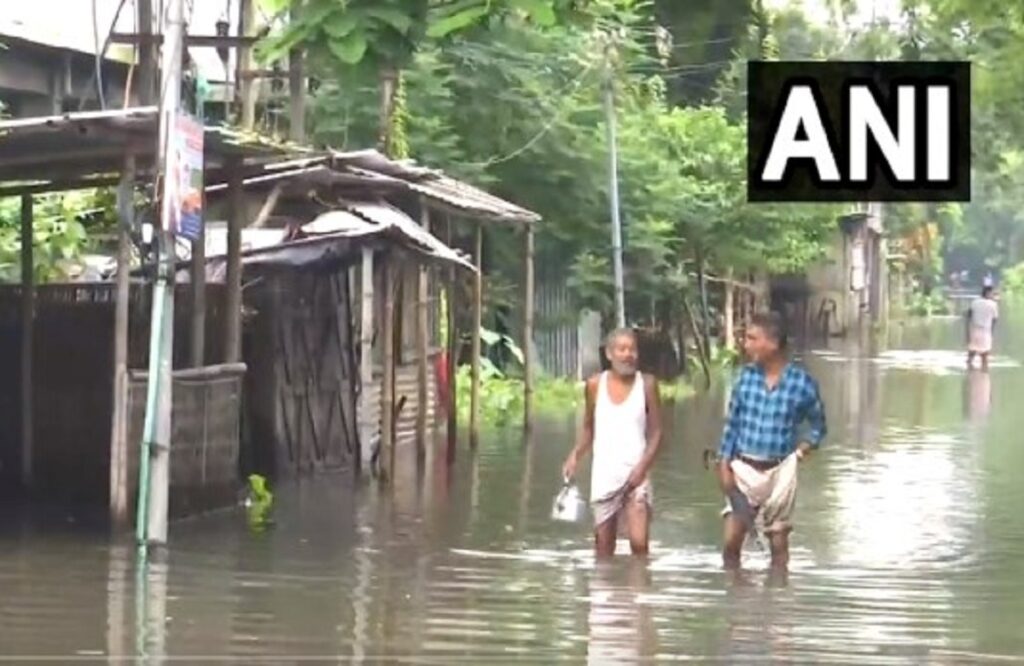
(767, 424)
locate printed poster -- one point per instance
(184, 183)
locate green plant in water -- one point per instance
(258, 503)
(1013, 281)
(920, 304)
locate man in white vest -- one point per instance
(622, 424)
(981, 322)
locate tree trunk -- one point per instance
(705, 315)
(386, 111)
(697, 334)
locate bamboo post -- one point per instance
(528, 304)
(119, 420)
(387, 396)
(297, 96)
(198, 318)
(246, 84)
(422, 338)
(453, 361)
(233, 297)
(478, 292)
(28, 298)
(147, 55)
(367, 427)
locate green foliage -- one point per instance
(258, 503)
(721, 359)
(920, 304)
(501, 397)
(1013, 281)
(59, 234)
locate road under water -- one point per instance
(909, 548)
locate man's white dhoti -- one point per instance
(771, 493)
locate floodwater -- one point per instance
(909, 548)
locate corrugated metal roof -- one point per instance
(383, 216)
(333, 237)
(78, 145)
(434, 185)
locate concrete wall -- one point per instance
(854, 277)
(37, 80)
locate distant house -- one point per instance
(848, 290)
(48, 67)
(845, 292)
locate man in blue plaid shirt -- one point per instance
(776, 418)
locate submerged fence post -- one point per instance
(387, 398)
(28, 299)
(119, 419)
(367, 427)
(422, 340)
(478, 297)
(528, 305)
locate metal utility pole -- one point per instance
(154, 461)
(613, 186)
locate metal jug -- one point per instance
(568, 507)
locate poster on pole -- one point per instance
(184, 178)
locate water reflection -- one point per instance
(908, 548)
(621, 626)
(978, 396)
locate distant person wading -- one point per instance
(622, 424)
(982, 316)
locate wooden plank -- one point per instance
(247, 87)
(422, 339)
(28, 295)
(528, 305)
(367, 425)
(119, 481)
(453, 358)
(387, 399)
(297, 96)
(233, 286)
(197, 41)
(197, 348)
(478, 303)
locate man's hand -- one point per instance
(803, 451)
(636, 478)
(726, 480)
(569, 468)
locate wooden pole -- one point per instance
(28, 298)
(387, 397)
(422, 339)
(478, 298)
(368, 429)
(453, 360)
(198, 274)
(233, 297)
(147, 55)
(119, 420)
(528, 305)
(246, 85)
(297, 96)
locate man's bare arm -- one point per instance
(654, 427)
(585, 440)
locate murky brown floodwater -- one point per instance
(909, 549)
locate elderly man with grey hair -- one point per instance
(622, 425)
